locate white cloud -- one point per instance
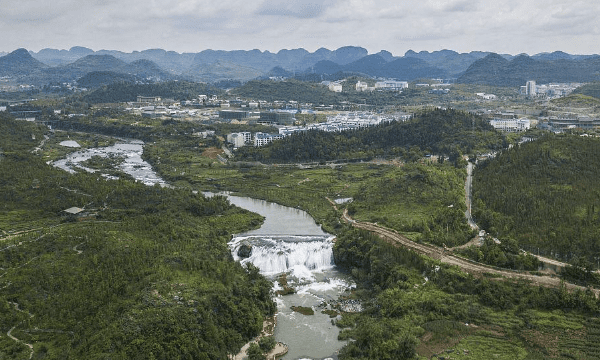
(510, 26)
(303, 9)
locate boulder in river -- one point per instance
(244, 251)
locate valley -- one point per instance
(109, 249)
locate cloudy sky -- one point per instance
(503, 26)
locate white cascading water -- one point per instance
(280, 254)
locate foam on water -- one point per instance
(133, 164)
(324, 286)
(300, 255)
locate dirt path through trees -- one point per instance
(465, 265)
(9, 333)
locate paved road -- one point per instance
(468, 196)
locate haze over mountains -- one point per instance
(97, 68)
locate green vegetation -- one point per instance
(124, 91)
(255, 352)
(303, 310)
(286, 90)
(145, 273)
(577, 100)
(505, 255)
(445, 132)
(286, 289)
(461, 96)
(267, 343)
(331, 313)
(544, 194)
(54, 151)
(415, 306)
(416, 198)
(591, 89)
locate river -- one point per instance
(130, 152)
(288, 242)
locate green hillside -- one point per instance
(123, 92)
(545, 194)
(592, 89)
(145, 273)
(577, 100)
(448, 132)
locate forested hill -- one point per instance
(545, 194)
(123, 92)
(447, 132)
(145, 274)
(592, 89)
(285, 90)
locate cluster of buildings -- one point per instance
(556, 122)
(570, 121)
(156, 107)
(245, 138)
(261, 117)
(391, 85)
(511, 125)
(552, 90)
(343, 122)
(337, 123)
(439, 91)
(485, 96)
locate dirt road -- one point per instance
(446, 257)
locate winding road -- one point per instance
(446, 257)
(9, 333)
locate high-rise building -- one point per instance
(530, 88)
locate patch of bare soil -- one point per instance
(212, 152)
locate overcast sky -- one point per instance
(502, 26)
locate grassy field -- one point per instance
(407, 197)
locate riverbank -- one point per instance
(278, 351)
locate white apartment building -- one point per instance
(363, 86)
(262, 139)
(511, 125)
(239, 139)
(391, 85)
(335, 87)
(485, 96)
(530, 88)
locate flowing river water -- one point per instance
(289, 242)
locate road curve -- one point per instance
(446, 257)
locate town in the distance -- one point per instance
(331, 205)
(442, 78)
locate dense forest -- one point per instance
(591, 89)
(311, 91)
(144, 272)
(417, 306)
(544, 194)
(447, 132)
(424, 199)
(124, 91)
(304, 92)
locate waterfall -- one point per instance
(280, 254)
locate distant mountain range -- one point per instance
(18, 63)
(96, 68)
(556, 67)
